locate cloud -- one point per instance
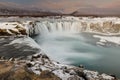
(65, 5)
(68, 6)
(114, 4)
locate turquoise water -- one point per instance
(76, 49)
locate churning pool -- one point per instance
(76, 49)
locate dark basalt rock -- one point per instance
(11, 59)
(29, 65)
(35, 57)
(114, 76)
(81, 66)
(45, 56)
(3, 32)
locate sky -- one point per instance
(68, 6)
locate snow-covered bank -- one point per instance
(113, 39)
(12, 28)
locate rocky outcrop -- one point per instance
(12, 28)
(96, 27)
(40, 67)
(84, 26)
(18, 71)
(4, 32)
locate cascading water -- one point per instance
(68, 42)
(72, 26)
(50, 27)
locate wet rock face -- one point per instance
(105, 27)
(111, 27)
(21, 30)
(84, 26)
(116, 28)
(96, 27)
(12, 28)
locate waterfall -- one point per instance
(46, 27)
(75, 26)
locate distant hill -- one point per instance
(13, 9)
(24, 12)
(10, 9)
(95, 12)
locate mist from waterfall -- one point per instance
(71, 42)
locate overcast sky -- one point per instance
(68, 6)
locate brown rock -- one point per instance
(115, 28)
(21, 30)
(3, 32)
(74, 78)
(96, 27)
(47, 75)
(84, 26)
(107, 26)
(14, 32)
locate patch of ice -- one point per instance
(112, 39)
(91, 74)
(107, 77)
(61, 74)
(100, 43)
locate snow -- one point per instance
(59, 69)
(113, 39)
(35, 70)
(100, 43)
(11, 26)
(91, 74)
(107, 77)
(61, 74)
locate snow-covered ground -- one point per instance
(104, 39)
(12, 28)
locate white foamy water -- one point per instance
(73, 42)
(80, 48)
